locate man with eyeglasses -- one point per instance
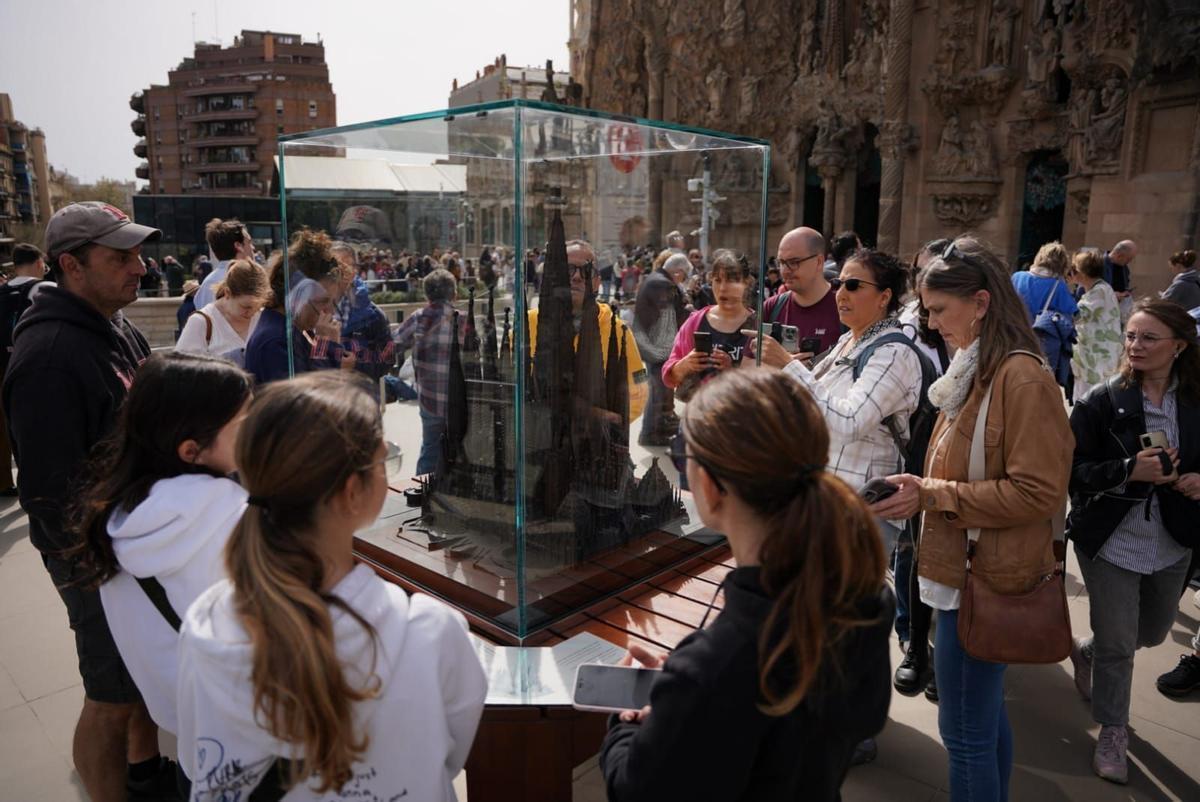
(809, 303)
(581, 259)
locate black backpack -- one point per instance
(920, 423)
(14, 300)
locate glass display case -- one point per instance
(530, 490)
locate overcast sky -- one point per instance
(71, 65)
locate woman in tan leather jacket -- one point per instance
(1027, 448)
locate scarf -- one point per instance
(950, 392)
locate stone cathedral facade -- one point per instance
(1022, 120)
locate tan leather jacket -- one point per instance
(1027, 446)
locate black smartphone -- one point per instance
(877, 490)
(810, 345)
(702, 342)
(611, 689)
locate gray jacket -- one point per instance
(1185, 289)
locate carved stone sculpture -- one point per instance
(964, 209)
(716, 82)
(1001, 31)
(950, 159)
(1107, 125)
(733, 23)
(980, 156)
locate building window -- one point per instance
(156, 112)
(157, 139)
(162, 188)
(312, 108)
(279, 106)
(238, 102)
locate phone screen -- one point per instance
(614, 687)
(810, 345)
(702, 341)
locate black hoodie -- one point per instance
(69, 374)
(705, 737)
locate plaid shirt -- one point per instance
(861, 447)
(428, 333)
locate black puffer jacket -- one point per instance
(705, 737)
(1107, 425)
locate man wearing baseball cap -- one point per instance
(74, 359)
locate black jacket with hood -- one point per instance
(69, 374)
(1107, 424)
(707, 739)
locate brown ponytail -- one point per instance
(822, 558)
(302, 440)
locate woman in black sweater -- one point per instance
(769, 701)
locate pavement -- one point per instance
(40, 699)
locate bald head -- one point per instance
(1123, 252)
(802, 241)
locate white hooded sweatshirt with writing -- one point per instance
(177, 535)
(421, 725)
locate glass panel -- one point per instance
(533, 434)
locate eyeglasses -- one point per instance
(794, 264)
(851, 284)
(1146, 339)
(580, 270)
(679, 458)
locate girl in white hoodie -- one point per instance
(155, 516)
(303, 668)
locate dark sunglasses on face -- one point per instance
(580, 270)
(851, 284)
(679, 458)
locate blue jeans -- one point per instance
(971, 718)
(432, 429)
(902, 562)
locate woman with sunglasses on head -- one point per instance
(1135, 500)
(793, 671)
(970, 300)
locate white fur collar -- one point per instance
(950, 392)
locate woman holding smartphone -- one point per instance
(1135, 499)
(793, 672)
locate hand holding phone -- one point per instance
(702, 342)
(877, 490)
(612, 689)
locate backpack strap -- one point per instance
(207, 327)
(158, 597)
(860, 362)
(777, 309)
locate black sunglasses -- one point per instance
(584, 269)
(679, 458)
(851, 284)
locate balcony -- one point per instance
(218, 88)
(137, 102)
(224, 167)
(139, 126)
(222, 141)
(139, 149)
(227, 114)
(143, 171)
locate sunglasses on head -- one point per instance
(851, 284)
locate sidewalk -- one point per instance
(40, 697)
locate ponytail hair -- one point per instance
(175, 397)
(822, 556)
(300, 444)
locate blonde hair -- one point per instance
(243, 278)
(1053, 257)
(301, 442)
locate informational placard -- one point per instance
(540, 675)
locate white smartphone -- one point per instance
(611, 689)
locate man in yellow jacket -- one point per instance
(579, 256)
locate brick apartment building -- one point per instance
(211, 130)
(24, 172)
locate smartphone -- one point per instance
(790, 339)
(877, 490)
(1154, 440)
(810, 345)
(702, 342)
(611, 689)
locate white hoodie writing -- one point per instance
(420, 726)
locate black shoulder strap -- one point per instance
(777, 309)
(158, 597)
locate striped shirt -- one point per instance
(1141, 542)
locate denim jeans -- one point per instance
(432, 429)
(1128, 611)
(971, 718)
(902, 562)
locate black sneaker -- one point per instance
(1183, 679)
(162, 786)
(913, 673)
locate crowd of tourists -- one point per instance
(196, 508)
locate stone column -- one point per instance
(829, 179)
(895, 138)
